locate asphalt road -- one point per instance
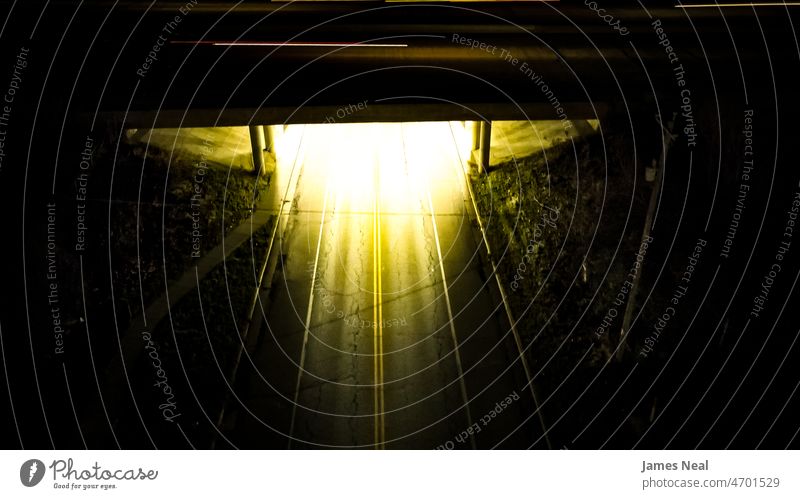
(382, 331)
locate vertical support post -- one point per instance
(486, 145)
(481, 147)
(257, 144)
(476, 135)
(269, 156)
(269, 138)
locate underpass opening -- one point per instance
(374, 293)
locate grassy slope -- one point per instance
(554, 221)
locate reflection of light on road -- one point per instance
(353, 159)
(409, 159)
(381, 182)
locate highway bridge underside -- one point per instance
(301, 62)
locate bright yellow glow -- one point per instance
(375, 183)
(287, 141)
(373, 201)
(402, 156)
